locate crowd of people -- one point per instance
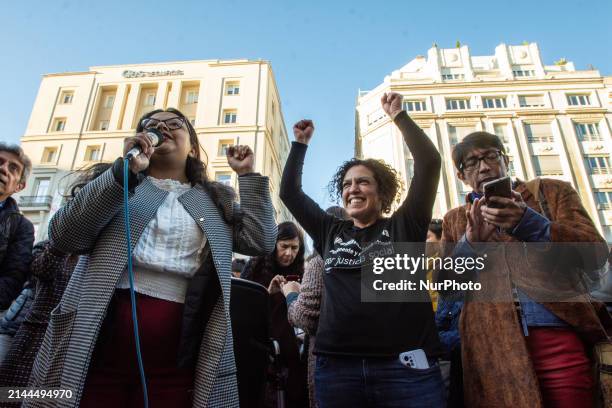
(534, 336)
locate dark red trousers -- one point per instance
(563, 369)
(114, 380)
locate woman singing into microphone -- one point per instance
(184, 228)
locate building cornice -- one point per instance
(45, 169)
(49, 137)
(585, 110)
(535, 112)
(499, 115)
(399, 86)
(421, 115)
(587, 117)
(58, 74)
(238, 62)
(189, 62)
(462, 114)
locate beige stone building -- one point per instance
(80, 118)
(553, 119)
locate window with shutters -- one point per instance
(547, 165)
(539, 133)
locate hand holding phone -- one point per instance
(501, 187)
(504, 207)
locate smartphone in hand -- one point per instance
(502, 187)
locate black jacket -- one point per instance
(16, 239)
(202, 293)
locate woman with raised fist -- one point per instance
(359, 344)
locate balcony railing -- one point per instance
(35, 201)
(541, 139)
(590, 138)
(549, 172)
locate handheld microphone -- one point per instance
(154, 135)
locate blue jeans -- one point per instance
(376, 382)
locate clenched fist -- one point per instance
(240, 159)
(391, 103)
(303, 130)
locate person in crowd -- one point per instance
(434, 232)
(184, 228)
(304, 302)
(603, 293)
(50, 271)
(286, 259)
(448, 314)
(447, 318)
(286, 262)
(16, 232)
(519, 350)
(237, 267)
(360, 342)
(12, 318)
(434, 235)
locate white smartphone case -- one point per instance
(414, 359)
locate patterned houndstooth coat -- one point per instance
(93, 223)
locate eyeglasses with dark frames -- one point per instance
(492, 157)
(171, 123)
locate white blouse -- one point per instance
(167, 254)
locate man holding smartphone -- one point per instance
(517, 349)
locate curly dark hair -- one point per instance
(390, 185)
(195, 168)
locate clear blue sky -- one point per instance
(322, 52)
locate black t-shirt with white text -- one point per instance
(348, 326)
